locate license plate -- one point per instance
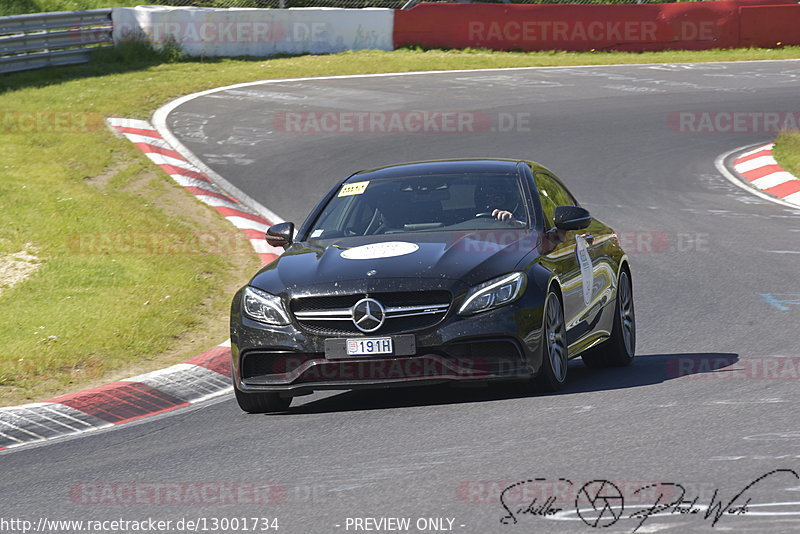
(370, 345)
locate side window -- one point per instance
(331, 222)
(359, 219)
(551, 195)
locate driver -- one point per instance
(493, 198)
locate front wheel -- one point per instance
(552, 374)
(619, 349)
(261, 402)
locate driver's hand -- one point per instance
(502, 215)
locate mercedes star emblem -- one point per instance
(368, 315)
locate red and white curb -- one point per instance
(187, 175)
(205, 376)
(202, 377)
(759, 168)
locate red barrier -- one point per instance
(770, 26)
(687, 26)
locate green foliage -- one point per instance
(787, 151)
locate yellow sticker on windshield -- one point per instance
(356, 188)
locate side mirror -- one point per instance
(572, 218)
(280, 235)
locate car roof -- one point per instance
(439, 167)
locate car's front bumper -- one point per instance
(319, 373)
(501, 344)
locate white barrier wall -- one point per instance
(256, 32)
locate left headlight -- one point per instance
(263, 307)
(494, 293)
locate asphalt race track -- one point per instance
(714, 271)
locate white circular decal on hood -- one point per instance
(373, 251)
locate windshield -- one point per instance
(423, 204)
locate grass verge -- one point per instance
(787, 151)
(126, 302)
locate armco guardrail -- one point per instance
(45, 39)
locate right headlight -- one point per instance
(494, 293)
(263, 307)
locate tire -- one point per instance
(262, 402)
(552, 375)
(620, 348)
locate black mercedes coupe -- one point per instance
(433, 272)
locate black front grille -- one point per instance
(347, 328)
(391, 325)
(324, 303)
(405, 298)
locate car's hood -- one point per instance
(468, 257)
